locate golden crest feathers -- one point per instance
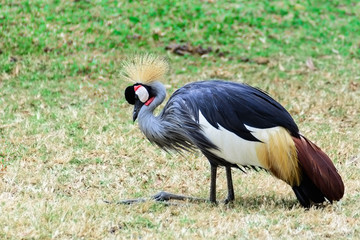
(145, 68)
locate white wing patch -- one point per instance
(233, 148)
(262, 134)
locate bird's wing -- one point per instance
(234, 105)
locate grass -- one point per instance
(67, 141)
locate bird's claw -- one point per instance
(162, 196)
(126, 202)
(228, 201)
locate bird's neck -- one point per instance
(149, 124)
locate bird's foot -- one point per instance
(163, 196)
(166, 196)
(228, 200)
(127, 201)
(159, 197)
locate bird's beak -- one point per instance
(137, 107)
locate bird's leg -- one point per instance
(213, 184)
(231, 195)
(165, 196)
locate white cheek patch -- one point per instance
(142, 93)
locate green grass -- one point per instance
(67, 139)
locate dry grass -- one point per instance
(68, 143)
(63, 173)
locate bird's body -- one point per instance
(236, 125)
(217, 113)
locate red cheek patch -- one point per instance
(137, 87)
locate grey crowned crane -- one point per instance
(234, 125)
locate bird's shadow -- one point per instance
(260, 202)
(253, 202)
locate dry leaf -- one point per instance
(281, 67)
(353, 86)
(16, 70)
(310, 64)
(182, 49)
(261, 60)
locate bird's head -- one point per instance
(147, 70)
(139, 95)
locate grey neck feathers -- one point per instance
(174, 128)
(152, 126)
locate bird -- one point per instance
(234, 125)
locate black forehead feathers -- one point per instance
(130, 93)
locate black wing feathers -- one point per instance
(234, 105)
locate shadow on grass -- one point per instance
(258, 202)
(253, 202)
